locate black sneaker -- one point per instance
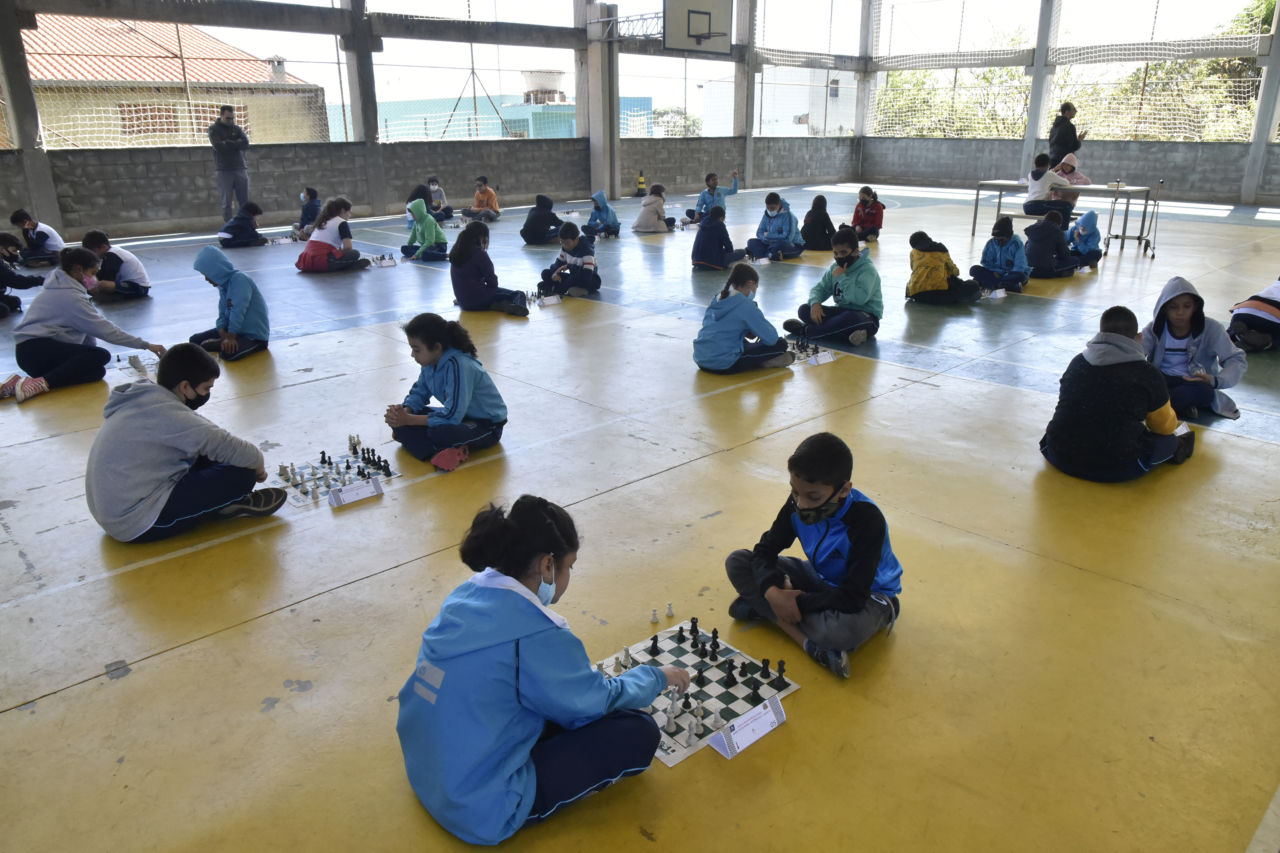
(742, 610)
(833, 659)
(1186, 446)
(258, 504)
(793, 327)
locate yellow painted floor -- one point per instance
(1077, 667)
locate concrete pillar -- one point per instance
(744, 87)
(583, 11)
(602, 105)
(23, 118)
(1041, 80)
(359, 45)
(865, 77)
(1268, 111)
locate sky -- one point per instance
(405, 72)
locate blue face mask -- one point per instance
(546, 592)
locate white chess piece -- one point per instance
(670, 612)
(626, 658)
(653, 618)
(600, 669)
(617, 666)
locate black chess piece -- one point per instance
(713, 657)
(693, 627)
(764, 668)
(730, 680)
(743, 671)
(348, 464)
(781, 683)
(701, 648)
(687, 703)
(653, 647)
(754, 696)
(715, 637)
(321, 457)
(701, 678)
(680, 635)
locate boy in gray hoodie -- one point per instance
(158, 468)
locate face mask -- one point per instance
(197, 401)
(821, 513)
(432, 187)
(302, 197)
(546, 592)
(751, 294)
(845, 261)
(771, 213)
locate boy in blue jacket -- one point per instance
(712, 196)
(241, 230)
(1084, 242)
(603, 221)
(1004, 260)
(310, 198)
(853, 283)
(712, 248)
(472, 413)
(243, 327)
(778, 235)
(847, 589)
(573, 272)
(504, 722)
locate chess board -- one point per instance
(303, 495)
(721, 704)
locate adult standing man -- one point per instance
(1063, 139)
(229, 144)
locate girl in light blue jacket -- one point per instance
(722, 345)
(504, 722)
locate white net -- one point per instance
(919, 27)
(804, 102)
(964, 103)
(1173, 101)
(1089, 22)
(812, 26)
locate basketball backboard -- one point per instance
(700, 25)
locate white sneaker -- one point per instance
(858, 337)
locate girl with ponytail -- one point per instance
(472, 413)
(722, 345)
(868, 215)
(504, 722)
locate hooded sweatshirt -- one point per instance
(474, 281)
(148, 441)
(857, 286)
(1083, 236)
(817, 229)
(494, 667)
(10, 277)
(1208, 345)
(460, 383)
(726, 324)
(229, 144)
(602, 215)
(240, 227)
(1009, 258)
(1047, 246)
(708, 199)
(1041, 181)
(241, 307)
(868, 215)
(1062, 139)
(653, 217)
(781, 227)
(931, 269)
(1075, 176)
(64, 312)
(426, 231)
(539, 221)
(310, 210)
(1108, 399)
(1265, 304)
(711, 245)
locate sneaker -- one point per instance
(1191, 414)
(518, 307)
(684, 220)
(793, 327)
(579, 292)
(1250, 340)
(450, 458)
(363, 264)
(1093, 267)
(1186, 446)
(775, 256)
(742, 610)
(257, 504)
(784, 359)
(10, 387)
(872, 238)
(832, 659)
(30, 387)
(858, 337)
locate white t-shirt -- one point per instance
(131, 268)
(54, 242)
(1272, 292)
(1038, 190)
(1174, 361)
(333, 232)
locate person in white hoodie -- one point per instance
(653, 217)
(157, 468)
(56, 341)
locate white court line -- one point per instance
(1267, 838)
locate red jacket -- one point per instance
(315, 256)
(868, 215)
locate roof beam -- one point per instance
(249, 14)
(477, 32)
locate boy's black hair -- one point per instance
(75, 256)
(845, 237)
(1053, 216)
(569, 231)
(772, 198)
(822, 458)
(1066, 105)
(468, 242)
(433, 179)
(1119, 320)
(7, 239)
(95, 240)
(482, 179)
(919, 240)
(312, 193)
(224, 108)
(658, 189)
(251, 208)
(1042, 161)
(709, 176)
(20, 217)
(716, 212)
(186, 361)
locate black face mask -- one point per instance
(197, 401)
(821, 512)
(845, 261)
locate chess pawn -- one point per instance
(617, 666)
(653, 617)
(600, 669)
(670, 612)
(626, 658)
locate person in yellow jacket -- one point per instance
(935, 279)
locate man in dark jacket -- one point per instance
(229, 144)
(1063, 139)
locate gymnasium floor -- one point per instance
(1077, 667)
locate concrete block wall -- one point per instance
(1191, 171)
(681, 165)
(935, 162)
(1269, 189)
(802, 160)
(13, 188)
